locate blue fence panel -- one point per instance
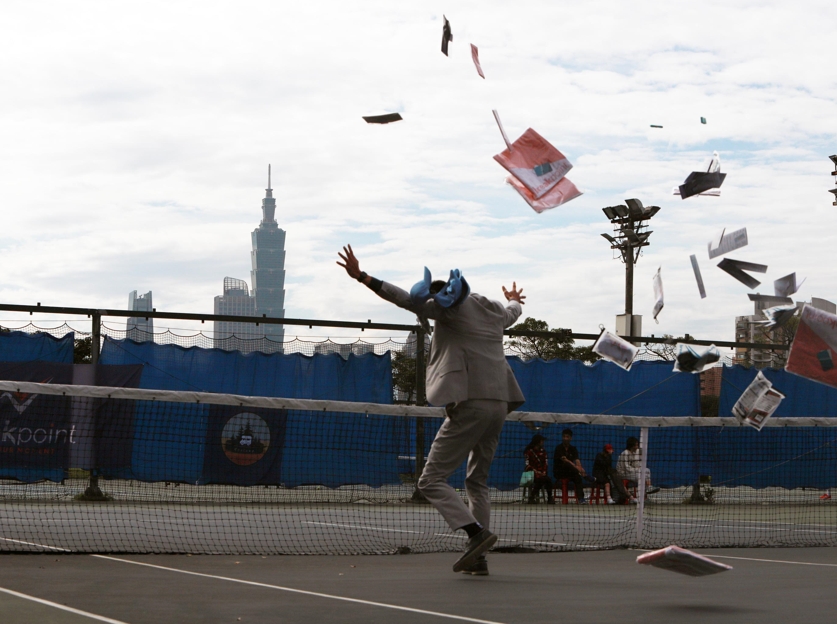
(18, 346)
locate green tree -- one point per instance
(82, 351)
(556, 347)
(404, 374)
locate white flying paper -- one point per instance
(757, 403)
(729, 242)
(787, 286)
(778, 316)
(658, 293)
(683, 561)
(615, 349)
(687, 359)
(698, 277)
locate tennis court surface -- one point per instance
(766, 585)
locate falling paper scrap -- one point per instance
(768, 299)
(700, 181)
(535, 162)
(615, 349)
(447, 35)
(778, 316)
(709, 193)
(698, 277)
(658, 293)
(787, 286)
(559, 194)
(655, 126)
(703, 120)
(383, 119)
(687, 359)
(736, 268)
(728, 242)
(683, 561)
(814, 347)
(757, 403)
(475, 56)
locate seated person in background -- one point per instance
(537, 462)
(567, 465)
(605, 475)
(629, 464)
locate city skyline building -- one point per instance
(268, 271)
(140, 329)
(236, 301)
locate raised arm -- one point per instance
(514, 311)
(385, 290)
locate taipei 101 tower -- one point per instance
(268, 274)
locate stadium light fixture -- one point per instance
(630, 227)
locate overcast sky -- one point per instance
(136, 139)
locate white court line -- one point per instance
(304, 592)
(825, 565)
(9, 539)
(93, 616)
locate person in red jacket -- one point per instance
(536, 461)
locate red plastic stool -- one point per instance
(597, 495)
(565, 493)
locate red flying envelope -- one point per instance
(559, 194)
(814, 347)
(534, 162)
(683, 561)
(475, 55)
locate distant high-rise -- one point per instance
(268, 273)
(140, 329)
(236, 301)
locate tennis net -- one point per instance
(99, 469)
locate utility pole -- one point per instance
(630, 227)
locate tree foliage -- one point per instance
(561, 347)
(82, 351)
(404, 374)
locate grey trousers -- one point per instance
(472, 431)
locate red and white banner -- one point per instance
(814, 349)
(559, 194)
(535, 162)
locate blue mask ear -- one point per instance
(454, 291)
(420, 292)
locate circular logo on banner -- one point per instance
(245, 438)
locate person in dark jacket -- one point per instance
(537, 462)
(605, 475)
(567, 465)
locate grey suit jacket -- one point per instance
(466, 354)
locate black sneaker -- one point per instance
(475, 547)
(479, 567)
(652, 490)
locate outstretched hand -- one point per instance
(350, 262)
(514, 294)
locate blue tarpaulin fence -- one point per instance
(182, 442)
(325, 449)
(18, 346)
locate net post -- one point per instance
(93, 492)
(421, 399)
(640, 487)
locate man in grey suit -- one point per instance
(468, 374)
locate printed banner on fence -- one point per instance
(244, 446)
(814, 347)
(36, 429)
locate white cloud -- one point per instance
(136, 139)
